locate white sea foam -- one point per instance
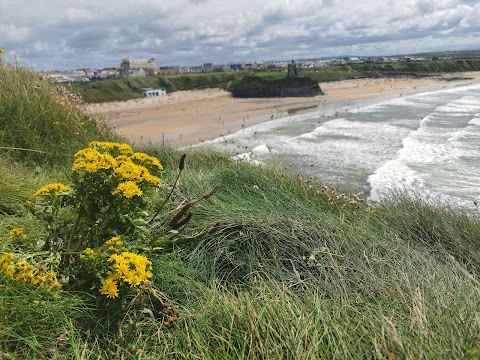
(262, 150)
(246, 157)
(355, 130)
(438, 159)
(393, 177)
(458, 108)
(475, 121)
(424, 143)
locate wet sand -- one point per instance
(186, 118)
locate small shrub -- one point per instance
(95, 231)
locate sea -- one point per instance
(425, 144)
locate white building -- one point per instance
(151, 92)
(138, 64)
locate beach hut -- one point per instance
(151, 92)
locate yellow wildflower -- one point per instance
(38, 280)
(152, 179)
(132, 279)
(128, 189)
(92, 160)
(122, 158)
(52, 189)
(121, 267)
(9, 272)
(114, 245)
(55, 286)
(147, 160)
(50, 276)
(1, 51)
(130, 171)
(25, 276)
(134, 269)
(88, 252)
(17, 233)
(123, 149)
(6, 258)
(109, 288)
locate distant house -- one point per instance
(235, 67)
(127, 64)
(69, 76)
(196, 69)
(208, 67)
(171, 70)
(221, 68)
(134, 72)
(107, 73)
(339, 61)
(152, 72)
(151, 92)
(131, 68)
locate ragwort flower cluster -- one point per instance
(52, 190)
(17, 233)
(127, 269)
(128, 173)
(110, 181)
(22, 271)
(120, 269)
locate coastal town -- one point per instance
(149, 67)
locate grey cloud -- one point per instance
(191, 31)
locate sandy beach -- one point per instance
(189, 117)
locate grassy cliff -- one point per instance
(289, 268)
(129, 88)
(420, 68)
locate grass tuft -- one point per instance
(39, 121)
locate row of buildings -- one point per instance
(148, 67)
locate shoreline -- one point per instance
(186, 118)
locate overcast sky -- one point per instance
(66, 34)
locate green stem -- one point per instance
(75, 228)
(180, 169)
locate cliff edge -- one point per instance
(255, 86)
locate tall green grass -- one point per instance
(40, 121)
(284, 268)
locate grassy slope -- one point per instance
(125, 89)
(293, 271)
(40, 121)
(350, 71)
